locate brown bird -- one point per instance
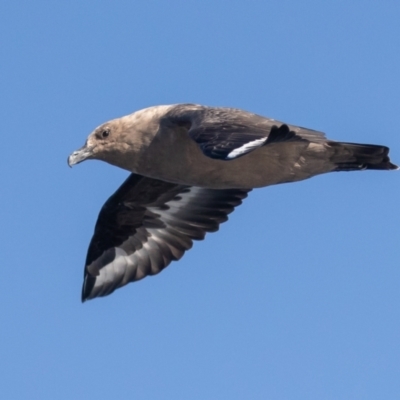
(191, 166)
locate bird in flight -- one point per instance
(191, 165)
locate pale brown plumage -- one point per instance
(191, 166)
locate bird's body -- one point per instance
(191, 166)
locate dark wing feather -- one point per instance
(145, 225)
(228, 133)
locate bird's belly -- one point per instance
(265, 166)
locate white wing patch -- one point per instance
(246, 148)
(137, 265)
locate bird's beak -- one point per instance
(80, 155)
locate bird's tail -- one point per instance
(353, 157)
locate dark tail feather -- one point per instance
(353, 157)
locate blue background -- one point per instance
(296, 297)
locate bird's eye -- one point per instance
(105, 133)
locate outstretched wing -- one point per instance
(146, 224)
(228, 133)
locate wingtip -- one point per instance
(85, 294)
(83, 297)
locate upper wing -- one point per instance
(145, 225)
(228, 133)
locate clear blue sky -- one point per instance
(296, 297)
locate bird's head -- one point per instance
(121, 141)
(114, 142)
(97, 145)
